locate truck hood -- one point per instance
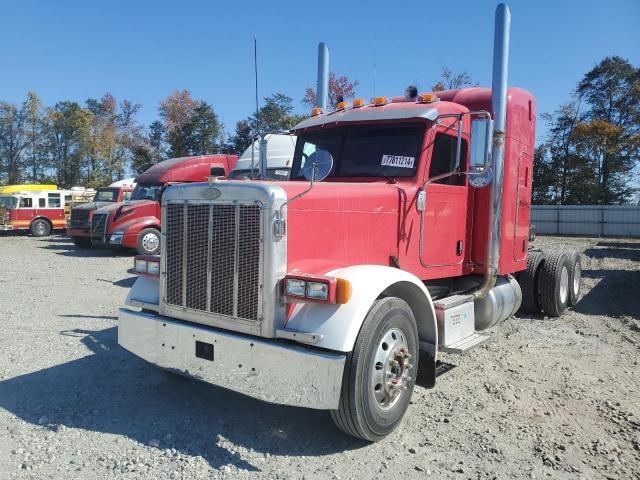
(340, 224)
(129, 205)
(91, 205)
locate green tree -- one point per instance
(609, 133)
(68, 127)
(241, 139)
(13, 141)
(203, 131)
(177, 112)
(33, 124)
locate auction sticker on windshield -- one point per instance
(397, 161)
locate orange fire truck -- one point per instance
(40, 212)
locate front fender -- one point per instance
(338, 325)
(135, 225)
(145, 293)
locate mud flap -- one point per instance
(426, 370)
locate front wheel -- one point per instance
(40, 228)
(149, 242)
(380, 373)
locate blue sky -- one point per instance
(143, 50)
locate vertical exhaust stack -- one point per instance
(322, 88)
(499, 106)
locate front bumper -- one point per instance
(4, 228)
(264, 369)
(78, 232)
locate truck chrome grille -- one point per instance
(79, 218)
(213, 258)
(99, 223)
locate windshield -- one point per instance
(364, 150)
(8, 202)
(272, 174)
(147, 192)
(106, 195)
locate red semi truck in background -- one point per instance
(136, 223)
(402, 232)
(79, 223)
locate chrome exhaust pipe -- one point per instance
(499, 105)
(322, 87)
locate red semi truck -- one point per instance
(136, 223)
(400, 234)
(79, 223)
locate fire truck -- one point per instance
(136, 223)
(79, 222)
(39, 211)
(402, 233)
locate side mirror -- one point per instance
(480, 174)
(318, 166)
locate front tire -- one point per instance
(149, 242)
(380, 373)
(40, 228)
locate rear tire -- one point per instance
(81, 242)
(528, 281)
(379, 374)
(554, 283)
(40, 228)
(575, 277)
(149, 242)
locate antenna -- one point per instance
(255, 68)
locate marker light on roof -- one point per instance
(427, 98)
(342, 105)
(358, 102)
(316, 111)
(379, 101)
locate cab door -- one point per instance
(445, 210)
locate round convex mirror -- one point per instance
(318, 165)
(480, 180)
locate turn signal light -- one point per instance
(316, 288)
(342, 105)
(358, 102)
(379, 101)
(316, 111)
(146, 265)
(427, 98)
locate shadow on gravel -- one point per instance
(616, 250)
(65, 247)
(114, 392)
(616, 294)
(124, 282)
(96, 317)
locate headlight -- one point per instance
(296, 287)
(140, 266)
(317, 290)
(116, 237)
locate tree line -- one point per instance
(589, 155)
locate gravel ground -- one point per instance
(545, 399)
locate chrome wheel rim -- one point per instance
(150, 242)
(577, 277)
(40, 228)
(391, 368)
(564, 284)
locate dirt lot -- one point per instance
(545, 399)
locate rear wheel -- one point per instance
(554, 283)
(149, 242)
(575, 277)
(81, 242)
(528, 281)
(40, 228)
(379, 374)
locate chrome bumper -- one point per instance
(264, 369)
(6, 227)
